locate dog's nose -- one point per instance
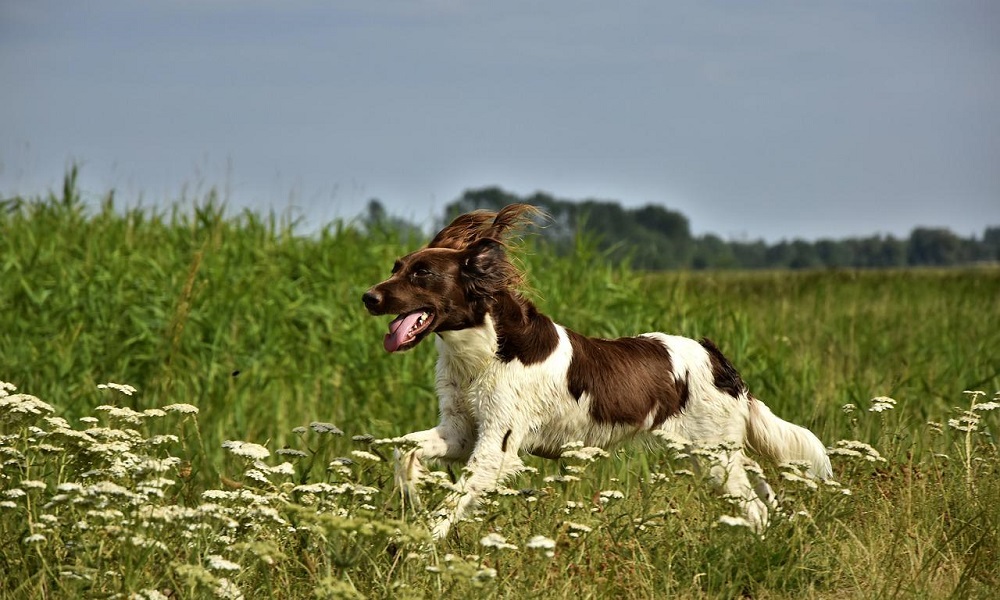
(372, 300)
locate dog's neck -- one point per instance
(469, 350)
(512, 328)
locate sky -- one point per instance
(757, 120)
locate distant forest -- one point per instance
(656, 238)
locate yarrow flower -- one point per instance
(123, 388)
(319, 427)
(882, 403)
(218, 563)
(246, 449)
(363, 455)
(576, 450)
(540, 542)
(578, 527)
(495, 540)
(608, 495)
(23, 404)
(122, 413)
(856, 449)
(181, 408)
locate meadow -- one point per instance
(248, 459)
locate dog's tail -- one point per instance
(782, 441)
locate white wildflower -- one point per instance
(987, 406)
(144, 542)
(216, 495)
(57, 422)
(123, 388)
(330, 428)
(857, 449)
(291, 452)
(363, 455)
(159, 440)
(608, 495)
(561, 478)
(227, 590)
(882, 403)
(246, 449)
(182, 408)
(485, 574)
(848, 408)
(578, 527)
(154, 412)
(122, 413)
(33, 484)
(15, 493)
(23, 404)
(256, 475)
(284, 468)
(540, 542)
(809, 483)
(588, 454)
(106, 488)
(968, 422)
(34, 538)
(495, 540)
(217, 563)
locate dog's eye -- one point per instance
(421, 272)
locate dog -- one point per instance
(512, 381)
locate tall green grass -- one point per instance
(263, 331)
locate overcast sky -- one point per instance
(759, 119)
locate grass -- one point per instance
(263, 332)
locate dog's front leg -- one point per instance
(494, 459)
(451, 440)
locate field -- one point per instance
(246, 463)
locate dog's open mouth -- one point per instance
(405, 329)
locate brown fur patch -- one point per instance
(627, 379)
(522, 332)
(724, 374)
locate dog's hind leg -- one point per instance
(728, 474)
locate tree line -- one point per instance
(656, 238)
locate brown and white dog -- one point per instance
(510, 380)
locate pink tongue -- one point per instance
(399, 331)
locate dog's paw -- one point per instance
(409, 472)
(441, 529)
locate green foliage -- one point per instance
(263, 331)
(657, 238)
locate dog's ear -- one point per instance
(483, 256)
(485, 267)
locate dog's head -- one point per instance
(448, 285)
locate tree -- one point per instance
(933, 246)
